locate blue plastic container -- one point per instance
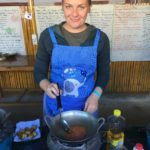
(6, 144)
(148, 137)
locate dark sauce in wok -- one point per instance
(76, 133)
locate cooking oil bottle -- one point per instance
(115, 133)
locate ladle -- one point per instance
(64, 124)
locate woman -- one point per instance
(75, 51)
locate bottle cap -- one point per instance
(139, 146)
(117, 112)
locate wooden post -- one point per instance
(33, 29)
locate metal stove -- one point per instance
(93, 144)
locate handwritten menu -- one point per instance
(11, 33)
(45, 2)
(100, 16)
(47, 16)
(131, 32)
(127, 26)
(10, 1)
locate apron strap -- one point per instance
(52, 36)
(97, 38)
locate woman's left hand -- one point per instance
(91, 104)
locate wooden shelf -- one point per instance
(21, 68)
(18, 63)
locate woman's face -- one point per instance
(75, 12)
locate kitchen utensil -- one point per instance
(74, 117)
(63, 122)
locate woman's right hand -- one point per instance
(51, 89)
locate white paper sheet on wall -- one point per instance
(100, 16)
(131, 33)
(11, 32)
(47, 2)
(127, 26)
(11, 1)
(47, 16)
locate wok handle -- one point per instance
(48, 121)
(101, 122)
(59, 105)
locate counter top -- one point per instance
(133, 135)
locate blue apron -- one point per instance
(73, 68)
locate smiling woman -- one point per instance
(75, 52)
(89, 1)
(75, 12)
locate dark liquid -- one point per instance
(76, 133)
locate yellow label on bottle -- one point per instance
(117, 142)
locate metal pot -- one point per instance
(74, 117)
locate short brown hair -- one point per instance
(89, 1)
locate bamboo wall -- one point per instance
(129, 77)
(124, 76)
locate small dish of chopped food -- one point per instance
(27, 130)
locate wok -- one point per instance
(82, 119)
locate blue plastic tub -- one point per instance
(148, 138)
(6, 144)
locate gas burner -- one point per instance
(93, 144)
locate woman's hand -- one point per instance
(51, 89)
(91, 104)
